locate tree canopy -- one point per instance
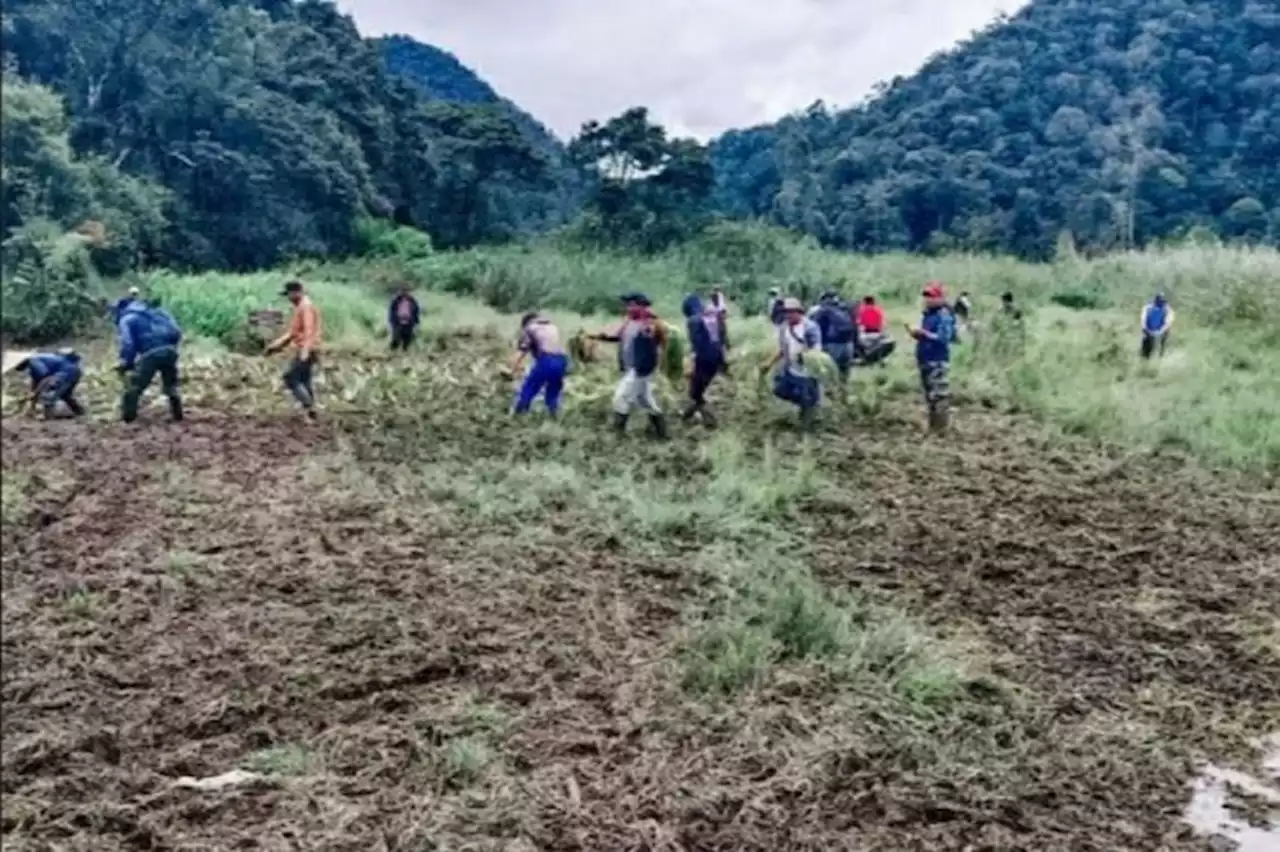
(1121, 122)
(268, 128)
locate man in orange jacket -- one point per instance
(304, 334)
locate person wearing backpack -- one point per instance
(706, 330)
(149, 339)
(54, 377)
(839, 334)
(641, 339)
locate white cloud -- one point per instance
(701, 67)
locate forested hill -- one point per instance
(1123, 121)
(441, 76)
(231, 133)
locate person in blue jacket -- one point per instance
(54, 377)
(1157, 319)
(149, 338)
(934, 336)
(706, 339)
(403, 316)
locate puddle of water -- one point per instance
(1207, 812)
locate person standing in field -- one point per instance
(54, 377)
(403, 316)
(1157, 319)
(304, 334)
(839, 335)
(706, 329)
(934, 336)
(641, 339)
(149, 340)
(541, 339)
(796, 336)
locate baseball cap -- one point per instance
(933, 290)
(791, 303)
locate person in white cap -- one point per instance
(796, 336)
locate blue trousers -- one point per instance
(547, 375)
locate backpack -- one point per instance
(644, 351)
(836, 324)
(163, 328)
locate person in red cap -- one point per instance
(934, 336)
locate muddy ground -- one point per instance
(253, 592)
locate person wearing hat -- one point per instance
(304, 335)
(149, 341)
(641, 339)
(1157, 319)
(796, 335)
(934, 336)
(839, 334)
(54, 377)
(541, 339)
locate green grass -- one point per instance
(1214, 396)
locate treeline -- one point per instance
(246, 133)
(1122, 122)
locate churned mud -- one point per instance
(382, 671)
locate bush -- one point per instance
(50, 287)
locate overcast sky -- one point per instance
(701, 66)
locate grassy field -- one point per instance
(422, 625)
(1075, 368)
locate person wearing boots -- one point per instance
(149, 340)
(641, 339)
(934, 336)
(707, 342)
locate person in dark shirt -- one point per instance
(934, 336)
(708, 345)
(403, 316)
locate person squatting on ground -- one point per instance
(839, 335)
(1157, 319)
(873, 343)
(706, 339)
(403, 316)
(304, 334)
(936, 333)
(540, 339)
(792, 383)
(149, 340)
(641, 339)
(54, 378)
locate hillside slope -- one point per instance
(272, 128)
(441, 76)
(1123, 122)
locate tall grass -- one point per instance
(1216, 394)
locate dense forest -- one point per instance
(229, 134)
(238, 134)
(1123, 122)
